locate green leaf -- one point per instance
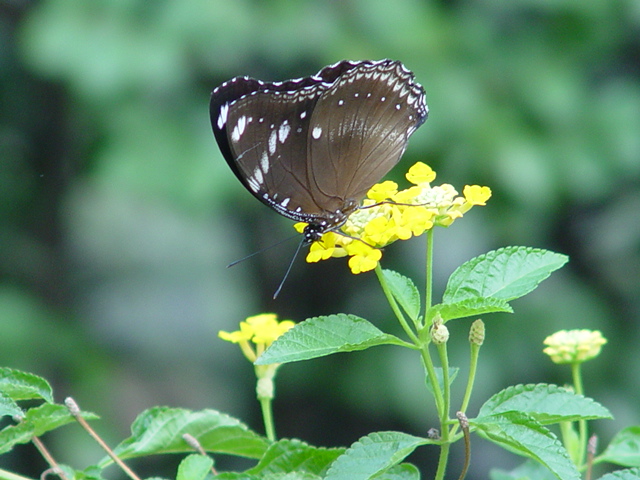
(404, 471)
(70, 472)
(320, 336)
(523, 435)
(19, 385)
(470, 307)
(404, 291)
(546, 403)
(8, 406)
(270, 476)
(37, 421)
(507, 274)
(92, 472)
(373, 454)
(529, 470)
(453, 373)
(160, 429)
(629, 474)
(294, 455)
(624, 448)
(194, 467)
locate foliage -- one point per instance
(517, 418)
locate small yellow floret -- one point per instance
(363, 258)
(420, 173)
(476, 195)
(261, 329)
(382, 191)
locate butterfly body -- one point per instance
(312, 147)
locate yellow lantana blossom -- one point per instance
(574, 346)
(262, 330)
(363, 257)
(388, 214)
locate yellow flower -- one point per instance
(261, 329)
(382, 191)
(387, 215)
(363, 258)
(243, 335)
(378, 231)
(574, 346)
(408, 195)
(476, 195)
(414, 221)
(323, 249)
(420, 173)
(267, 328)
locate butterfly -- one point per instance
(311, 148)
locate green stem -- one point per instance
(442, 461)
(426, 358)
(265, 391)
(433, 378)
(444, 414)
(473, 366)
(428, 296)
(267, 416)
(576, 373)
(394, 306)
(442, 399)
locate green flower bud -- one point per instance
(476, 333)
(439, 332)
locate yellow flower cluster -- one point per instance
(261, 329)
(387, 215)
(574, 346)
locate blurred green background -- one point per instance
(118, 214)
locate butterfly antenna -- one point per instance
(302, 242)
(263, 250)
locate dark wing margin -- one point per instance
(221, 98)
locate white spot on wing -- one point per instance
(283, 131)
(253, 185)
(222, 118)
(317, 131)
(272, 142)
(238, 130)
(264, 162)
(257, 176)
(285, 202)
